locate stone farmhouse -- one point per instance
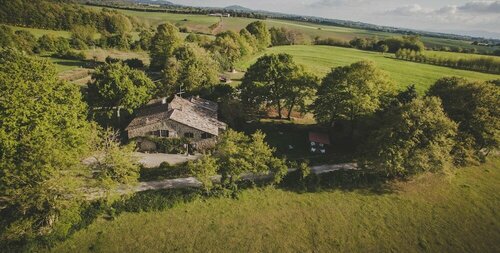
(193, 118)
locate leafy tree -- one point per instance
(82, 36)
(237, 154)
(231, 46)
(350, 92)
(475, 107)
(113, 164)
(145, 37)
(25, 41)
(301, 89)
(250, 40)
(6, 36)
(116, 23)
(43, 137)
(166, 39)
(204, 169)
(117, 86)
(407, 95)
(283, 36)
(190, 68)
(270, 80)
(259, 30)
(384, 49)
(411, 138)
(46, 43)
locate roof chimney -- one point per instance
(164, 101)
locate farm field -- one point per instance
(431, 213)
(320, 59)
(200, 23)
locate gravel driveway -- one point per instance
(154, 160)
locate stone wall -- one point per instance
(175, 129)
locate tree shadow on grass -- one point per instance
(363, 182)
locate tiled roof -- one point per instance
(200, 114)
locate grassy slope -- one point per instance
(435, 213)
(200, 23)
(320, 59)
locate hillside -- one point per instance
(432, 213)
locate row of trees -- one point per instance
(482, 64)
(61, 15)
(391, 45)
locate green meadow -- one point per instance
(320, 60)
(40, 32)
(457, 212)
(200, 23)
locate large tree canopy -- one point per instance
(259, 30)
(166, 39)
(273, 79)
(349, 92)
(411, 138)
(475, 106)
(43, 135)
(116, 85)
(190, 68)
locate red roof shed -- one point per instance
(319, 138)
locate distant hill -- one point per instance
(237, 8)
(160, 2)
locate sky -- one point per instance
(469, 17)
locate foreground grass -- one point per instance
(434, 213)
(320, 59)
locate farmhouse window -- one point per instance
(163, 133)
(189, 135)
(205, 135)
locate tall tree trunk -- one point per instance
(279, 108)
(289, 116)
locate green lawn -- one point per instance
(40, 32)
(433, 213)
(320, 60)
(64, 64)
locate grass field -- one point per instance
(40, 32)
(320, 60)
(432, 213)
(200, 23)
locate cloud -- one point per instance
(469, 13)
(485, 7)
(481, 7)
(333, 3)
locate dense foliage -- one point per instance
(410, 139)
(349, 92)
(166, 39)
(235, 155)
(43, 136)
(117, 86)
(60, 15)
(475, 106)
(278, 81)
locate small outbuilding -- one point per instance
(318, 142)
